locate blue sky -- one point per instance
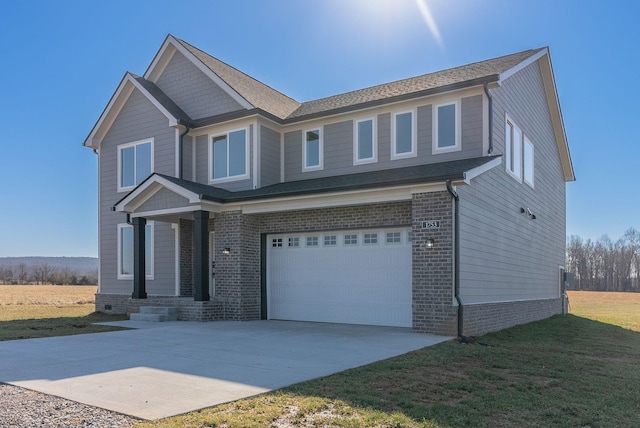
(62, 61)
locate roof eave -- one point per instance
(493, 78)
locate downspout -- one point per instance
(490, 98)
(180, 150)
(456, 256)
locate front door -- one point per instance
(212, 264)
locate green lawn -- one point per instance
(567, 371)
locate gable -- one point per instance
(193, 91)
(162, 200)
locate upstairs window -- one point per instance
(364, 142)
(513, 150)
(228, 156)
(403, 135)
(135, 163)
(312, 150)
(527, 166)
(125, 251)
(446, 128)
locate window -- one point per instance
(228, 156)
(528, 162)
(446, 128)
(312, 241)
(125, 251)
(393, 238)
(294, 242)
(409, 237)
(135, 163)
(351, 239)
(312, 151)
(513, 150)
(276, 242)
(330, 240)
(370, 238)
(364, 142)
(403, 135)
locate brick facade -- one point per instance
(433, 297)
(237, 294)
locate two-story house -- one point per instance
(436, 202)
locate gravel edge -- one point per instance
(22, 407)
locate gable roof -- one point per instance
(440, 81)
(260, 96)
(257, 98)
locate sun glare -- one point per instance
(428, 19)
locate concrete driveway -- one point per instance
(165, 369)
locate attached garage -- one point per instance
(353, 277)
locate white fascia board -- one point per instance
(144, 192)
(120, 97)
(109, 114)
(473, 173)
(165, 53)
(553, 102)
(513, 70)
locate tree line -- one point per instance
(605, 265)
(44, 274)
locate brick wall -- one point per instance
(356, 217)
(188, 309)
(186, 257)
(433, 289)
(485, 318)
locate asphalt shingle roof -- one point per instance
(419, 174)
(263, 97)
(415, 85)
(255, 92)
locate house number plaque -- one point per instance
(432, 224)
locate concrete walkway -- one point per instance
(165, 369)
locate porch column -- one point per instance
(139, 269)
(201, 256)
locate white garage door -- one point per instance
(353, 277)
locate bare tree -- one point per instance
(21, 273)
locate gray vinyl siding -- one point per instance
(504, 255)
(137, 120)
(162, 200)
(338, 144)
(193, 91)
(203, 146)
(187, 158)
(269, 156)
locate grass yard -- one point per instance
(567, 371)
(30, 311)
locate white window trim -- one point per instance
(507, 150)
(152, 256)
(125, 146)
(374, 141)
(320, 165)
(527, 142)
(414, 135)
(435, 149)
(247, 151)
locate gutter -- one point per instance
(485, 86)
(456, 257)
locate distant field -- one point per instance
(21, 302)
(621, 309)
(29, 311)
(47, 294)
